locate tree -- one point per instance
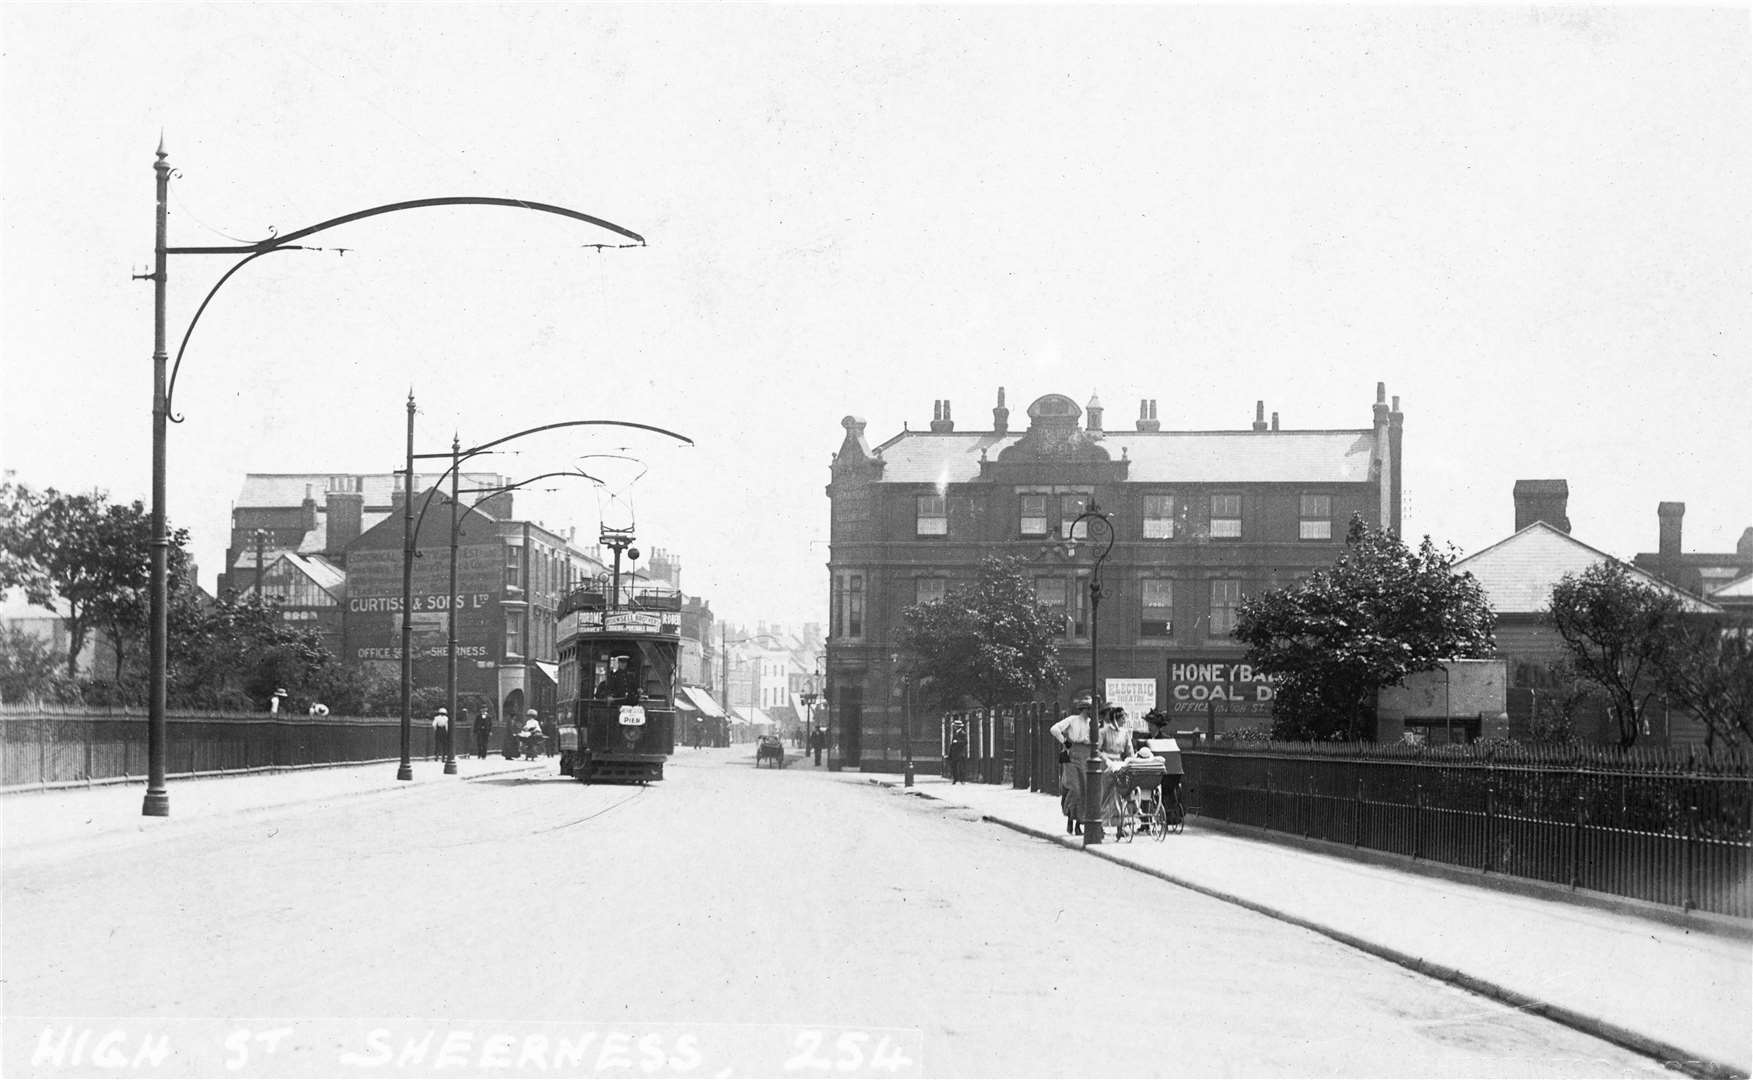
(1615, 626)
(1636, 640)
(238, 652)
(93, 556)
(1381, 612)
(990, 642)
(1707, 669)
(30, 670)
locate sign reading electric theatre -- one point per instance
(1222, 687)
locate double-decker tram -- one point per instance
(618, 682)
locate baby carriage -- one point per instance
(1138, 784)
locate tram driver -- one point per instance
(622, 685)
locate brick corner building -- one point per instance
(1201, 519)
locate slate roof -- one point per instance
(1738, 591)
(1519, 571)
(1187, 457)
(262, 490)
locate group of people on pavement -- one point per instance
(1114, 746)
(482, 727)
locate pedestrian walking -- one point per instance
(440, 733)
(958, 750)
(483, 732)
(818, 740)
(1073, 733)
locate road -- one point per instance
(729, 921)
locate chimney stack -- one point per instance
(1000, 415)
(940, 416)
(345, 511)
(1093, 414)
(1669, 515)
(1275, 421)
(1542, 500)
(1259, 416)
(1147, 420)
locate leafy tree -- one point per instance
(1707, 669)
(92, 555)
(1381, 612)
(30, 670)
(990, 642)
(1636, 641)
(1615, 626)
(238, 652)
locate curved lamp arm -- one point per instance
(286, 243)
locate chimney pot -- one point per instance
(1275, 421)
(1147, 420)
(1259, 416)
(940, 419)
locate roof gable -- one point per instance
(1518, 572)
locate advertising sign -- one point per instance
(1218, 687)
(1136, 696)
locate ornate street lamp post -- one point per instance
(157, 800)
(1099, 531)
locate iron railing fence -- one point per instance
(1010, 745)
(51, 746)
(1669, 827)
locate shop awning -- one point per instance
(552, 671)
(702, 701)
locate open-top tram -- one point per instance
(618, 683)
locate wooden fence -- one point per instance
(50, 746)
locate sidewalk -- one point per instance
(29, 819)
(1682, 995)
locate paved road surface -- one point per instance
(741, 920)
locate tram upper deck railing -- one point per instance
(641, 598)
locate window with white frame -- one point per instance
(1226, 516)
(1032, 519)
(1157, 608)
(514, 633)
(513, 566)
(1070, 506)
(928, 590)
(933, 517)
(1226, 596)
(1159, 517)
(1315, 517)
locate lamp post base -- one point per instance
(157, 804)
(907, 774)
(1092, 832)
(450, 767)
(405, 771)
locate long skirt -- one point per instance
(1071, 788)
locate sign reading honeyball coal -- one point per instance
(1217, 686)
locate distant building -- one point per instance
(510, 577)
(1699, 573)
(1201, 519)
(1518, 574)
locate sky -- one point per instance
(1530, 223)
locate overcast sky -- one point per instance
(1532, 224)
